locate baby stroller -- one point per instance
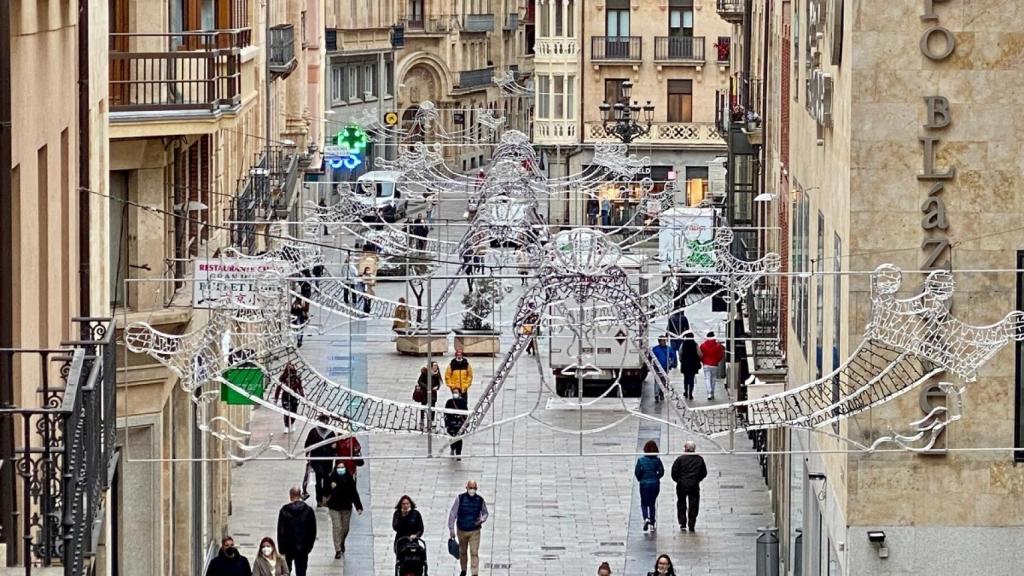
(410, 557)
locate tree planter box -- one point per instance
(478, 342)
(420, 342)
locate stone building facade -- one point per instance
(891, 137)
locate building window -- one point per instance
(416, 12)
(370, 89)
(543, 96)
(613, 90)
(696, 184)
(118, 236)
(353, 83)
(800, 263)
(559, 97)
(617, 18)
(680, 100)
(337, 85)
(389, 80)
(680, 18)
(819, 298)
(570, 94)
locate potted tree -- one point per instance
(477, 337)
(418, 341)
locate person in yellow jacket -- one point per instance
(459, 374)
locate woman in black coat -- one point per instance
(407, 522)
(453, 422)
(689, 363)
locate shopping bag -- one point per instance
(453, 547)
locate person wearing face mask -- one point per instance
(343, 496)
(453, 421)
(269, 562)
(229, 562)
(468, 514)
(296, 531)
(459, 374)
(663, 567)
(321, 439)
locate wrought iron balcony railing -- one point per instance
(282, 49)
(181, 71)
(475, 78)
(58, 454)
(679, 49)
(616, 48)
(478, 23)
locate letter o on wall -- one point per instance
(948, 39)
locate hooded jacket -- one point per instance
(343, 494)
(224, 565)
(459, 375)
(296, 528)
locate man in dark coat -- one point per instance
(688, 471)
(229, 562)
(678, 323)
(296, 532)
(322, 456)
(342, 497)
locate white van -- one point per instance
(379, 189)
(612, 354)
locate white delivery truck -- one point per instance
(607, 351)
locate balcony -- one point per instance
(685, 50)
(437, 25)
(182, 71)
(512, 22)
(684, 134)
(616, 48)
(476, 78)
(476, 23)
(58, 452)
(731, 11)
(282, 50)
(550, 132)
(565, 50)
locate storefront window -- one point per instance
(696, 184)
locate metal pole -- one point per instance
(430, 371)
(579, 374)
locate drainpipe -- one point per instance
(84, 142)
(6, 285)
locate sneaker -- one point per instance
(682, 528)
(337, 555)
(710, 397)
(654, 526)
(647, 524)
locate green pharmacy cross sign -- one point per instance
(354, 138)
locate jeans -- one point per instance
(290, 404)
(340, 522)
(648, 500)
(687, 505)
(709, 379)
(688, 381)
(300, 561)
(469, 540)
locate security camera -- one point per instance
(876, 536)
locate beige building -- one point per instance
(453, 50)
(675, 55)
(196, 91)
(890, 136)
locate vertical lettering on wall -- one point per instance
(937, 44)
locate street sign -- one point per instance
(390, 119)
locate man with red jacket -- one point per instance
(711, 354)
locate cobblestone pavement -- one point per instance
(551, 512)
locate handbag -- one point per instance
(453, 547)
(419, 395)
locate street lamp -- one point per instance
(623, 120)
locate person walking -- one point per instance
(269, 562)
(343, 495)
(369, 282)
(648, 472)
(350, 453)
(531, 328)
(688, 471)
(604, 569)
(666, 357)
(320, 448)
(593, 208)
(711, 354)
(663, 567)
(296, 531)
(430, 379)
(678, 325)
(459, 374)
(406, 521)
(349, 274)
(288, 393)
(689, 363)
(401, 322)
(300, 316)
(229, 561)
(606, 212)
(453, 422)
(419, 232)
(468, 514)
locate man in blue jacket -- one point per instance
(468, 514)
(666, 356)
